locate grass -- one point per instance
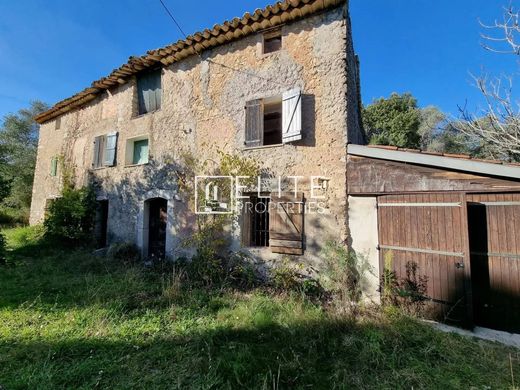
(71, 320)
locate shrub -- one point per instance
(26, 236)
(71, 217)
(172, 284)
(287, 278)
(124, 253)
(408, 293)
(344, 273)
(13, 216)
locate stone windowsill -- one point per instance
(136, 165)
(262, 147)
(146, 114)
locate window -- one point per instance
(137, 151)
(57, 123)
(272, 41)
(105, 148)
(149, 91)
(54, 166)
(276, 222)
(255, 228)
(274, 120)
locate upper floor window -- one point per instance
(272, 41)
(149, 91)
(105, 147)
(275, 120)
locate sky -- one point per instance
(51, 49)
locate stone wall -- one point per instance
(203, 109)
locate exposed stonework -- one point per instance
(203, 100)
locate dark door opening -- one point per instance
(101, 223)
(158, 217)
(495, 273)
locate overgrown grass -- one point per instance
(71, 320)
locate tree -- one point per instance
(440, 134)
(18, 146)
(393, 121)
(498, 124)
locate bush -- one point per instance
(344, 274)
(286, 278)
(71, 217)
(13, 217)
(235, 270)
(27, 236)
(124, 253)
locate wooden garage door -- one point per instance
(494, 232)
(429, 230)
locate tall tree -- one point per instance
(393, 121)
(18, 145)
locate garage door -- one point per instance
(429, 231)
(494, 233)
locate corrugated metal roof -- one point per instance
(461, 162)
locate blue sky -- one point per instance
(50, 50)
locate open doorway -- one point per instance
(101, 227)
(157, 222)
(495, 252)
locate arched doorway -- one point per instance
(157, 209)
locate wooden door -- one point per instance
(157, 230)
(429, 231)
(494, 232)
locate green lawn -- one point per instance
(70, 320)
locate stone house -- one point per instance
(280, 85)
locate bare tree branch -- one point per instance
(497, 125)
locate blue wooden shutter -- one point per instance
(142, 94)
(95, 159)
(110, 150)
(149, 91)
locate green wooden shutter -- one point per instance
(110, 149)
(254, 132)
(140, 152)
(54, 166)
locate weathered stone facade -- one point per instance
(203, 100)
